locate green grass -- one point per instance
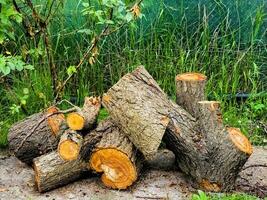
(166, 45)
(221, 196)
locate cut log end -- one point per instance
(240, 140)
(56, 120)
(75, 121)
(208, 186)
(191, 77)
(69, 150)
(118, 170)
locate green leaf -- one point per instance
(29, 67)
(86, 31)
(71, 70)
(5, 70)
(11, 65)
(85, 4)
(25, 91)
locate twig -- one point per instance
(40, 121)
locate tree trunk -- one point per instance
(190, 90)
(51, 171)
(86, 117)
(70, 145)
(35, 135)
(113, 155)
(253, 177)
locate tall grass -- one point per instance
(164, 43)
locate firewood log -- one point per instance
(51, 171)
(35, 135)
(140, 109)
(212, 155)
(86, 117)
(113, 155)
(69, 145)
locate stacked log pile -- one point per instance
(141, 118)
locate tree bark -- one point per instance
(35, 135)
(86, 117)
(253, 177)
(51, 171)
(69, 145)
(113, 155)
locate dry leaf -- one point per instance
(135, 10)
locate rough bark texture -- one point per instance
(35, 135)
(117, 158)
(140, 109)
(69, 145)
(253, 177)
(86, 117)
(190, 90)
(210, 153)
(51, 171)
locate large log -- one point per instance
(211, 154)
(114, 156)
(140, 108)
(35, 135)
(86, 117)
(51, 171)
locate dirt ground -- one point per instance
(16, 182)
(161, 181)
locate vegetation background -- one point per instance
(226, 40)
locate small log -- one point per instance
(69, 145)
(51, 171)
(86, 117)
(190, 90)
(253, 177)
(35, 135)
(114, 156)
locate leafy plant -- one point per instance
(7, 15)
(12, 63)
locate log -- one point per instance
(86, 117)
(140, 109)
(211, 153)
(69, 145)
(190, 90)
(205, 150)
(253, 177)
(114, 156)
(51, 171)
(35, 135)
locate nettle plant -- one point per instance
(8, 16)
